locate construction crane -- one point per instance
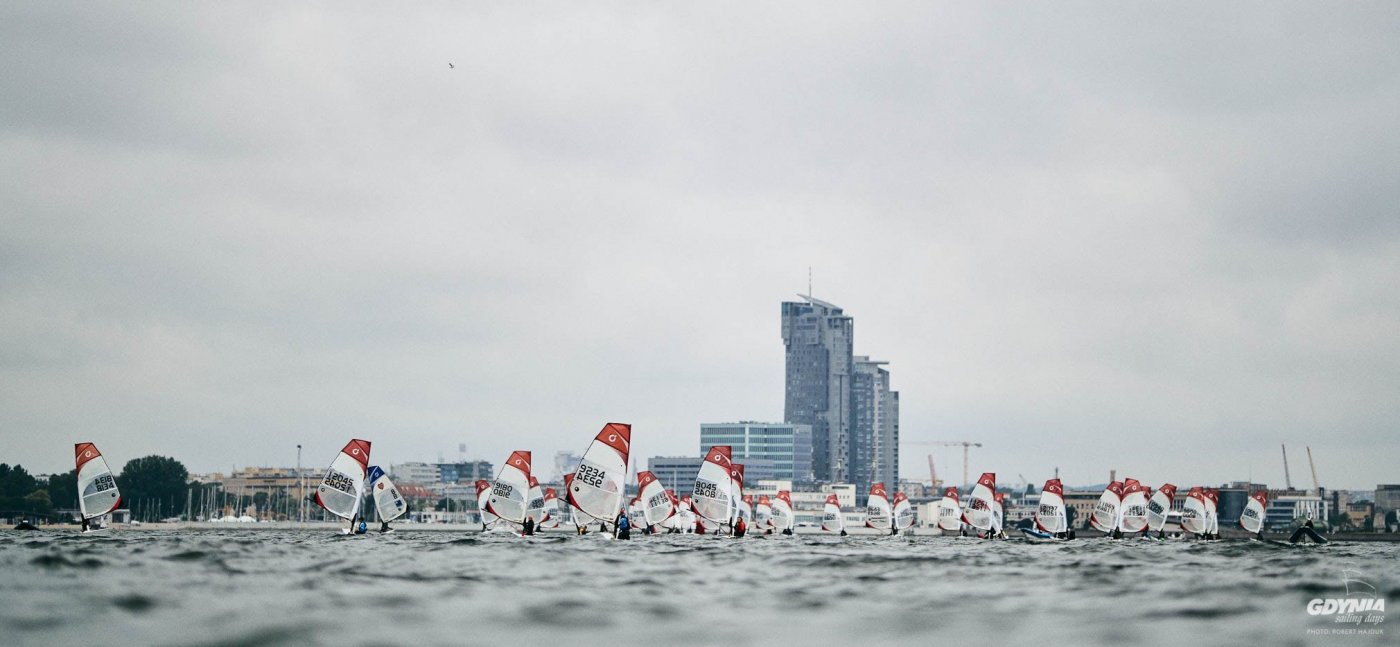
(948, 443)
(1312, 467)
(1287, 480)
(933, 475)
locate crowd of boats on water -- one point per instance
(595, 495)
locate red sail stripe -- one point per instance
(358, 450)
(84, 452)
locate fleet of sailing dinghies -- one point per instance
(1252, 519)
(388, 503)
(903, 512)
(483, 497)
(877, 508)
(1050, 515)
(510, 492)
(950, 510)
(1159, 506)
(1132, 512)
(344, 483)
(657, 505)
(712, 495)
(1193, 512)
(597, 487)
(1105, 515)
(980, 504)
(783, 518)
(97, 487)
(832, 519)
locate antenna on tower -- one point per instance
(809, 280)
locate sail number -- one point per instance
(1048, 510)
(591, 475)
(658, 500)
(340, 482)
(502, 490)
(104, 482)
(707, 489)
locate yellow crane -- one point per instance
(949, 443)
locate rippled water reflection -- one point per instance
(311, 587)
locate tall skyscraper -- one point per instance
(818, 337)
(875, 428)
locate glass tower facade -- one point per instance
(768, 450)
(818, 337)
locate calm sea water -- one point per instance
(308, 587)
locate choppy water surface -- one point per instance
(310, 587)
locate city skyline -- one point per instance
(1081, 244)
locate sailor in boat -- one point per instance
(740, 527)
(624, 526)
(529, 528)
(384, 525)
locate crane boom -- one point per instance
(1287, 480)
(1312, 467)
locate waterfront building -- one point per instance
(676, 473)
(465, 472)
(768, 450)
(419, 473)
(818, 338)
(874, 437)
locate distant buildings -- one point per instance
(845, 399)
(768, 450)
(1387, 507)
(433, 473)
(676, 473)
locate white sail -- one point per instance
(998, 511)
(1252, 519)
(1050, 514)
(687, 515)
(534, 508)
(1132, 514)
(878, 513)
(742, 506)
(344, 483)
(657, 506)
(1105, 515)
(744, 509)
(980, 504)
(483, 497)
(1212, 511)
(950, 510)
(511, 490)
(903, 512)
(832, 519)
(782, 511)
(1159, 506)
(763, 513)
(97, 487)
(598, 484)
(712, 496)
(388, 503)
(552, 517)
(1194, 518)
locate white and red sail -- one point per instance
(1050, 515)
(903, 511)
(483, 497)
(1105, 515)
(1132, 513)
(981, 502)
(713, 496)
(950, 510)
(551, 509)
(599, 482)
(736, 492)
(1159, 505)
(686, 517)
(344, 483)
(1252, 519)
(657, 505)
(534, 508)
(511, 490)
(782, 511)
(1213, 511)
(97, 487)
(763, 513)
(1194, 518)
(998, 511)
(878, 513)
(832, 519)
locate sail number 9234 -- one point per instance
(590, 475)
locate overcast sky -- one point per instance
(1161, 239)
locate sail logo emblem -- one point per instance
(1360, 606)
(612, 438)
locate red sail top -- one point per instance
(84, 452)
(899, 496)
(549, 493)
(951, 493)
(736, 472)
(832, 500)
(1214, 495)
(358, 450)
(999, 497)
(1132, 486)
(1053, 486)
(878, 489)
(534, 481)
(644, 478)
(520, 459)
(482, 485)
(1116, 488)
(748, 498)
(1262, 497)
(1169, 490)
(763, 500)
(988, 479)
(1197, 493)
(785, 497)
(719, 455)
(617, 435)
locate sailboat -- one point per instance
(783, 519)
(340, 490)
(763, 514)
(981, 504)
(388, 503)
(598, 486)
(1105, 515)
(998, 514)
(1194, 518)
(1252, 519)
(657, 505)
(713, 494)
(483, 497)
(832, 519)
(551, 510)
(97, 487)
(742, 506)
(1212, 513)
(510, 492)
(534, 510)
(950, 510)
(1051, 520)
(1159, 506)
(686, 518)
(1132, 513)
(877, 509)
(903, 513)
